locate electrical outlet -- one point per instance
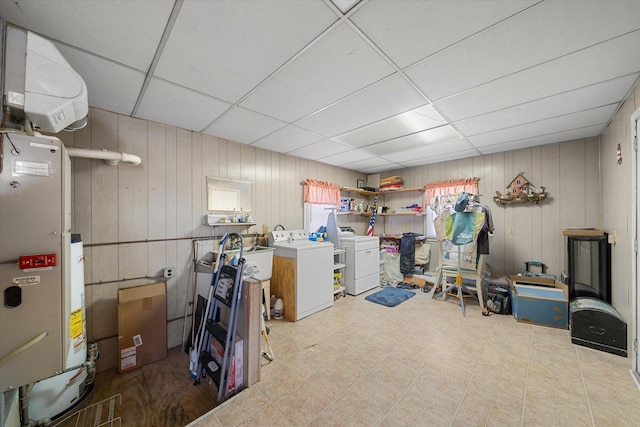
(511, 229)
(169, 272)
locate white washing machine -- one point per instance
(362, 270)
(302, 273)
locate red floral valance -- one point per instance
(453, 186)
(321, 192)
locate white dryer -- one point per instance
(362, 270)
(302, 273)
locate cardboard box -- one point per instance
(540, 305)
(142, 325)
(414, 280)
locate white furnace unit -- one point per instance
(35, 244)
(42, 316)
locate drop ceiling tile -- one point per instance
(600, 115)
(242, 125)
(528, 39)
(379, 169)
(413, 121)
(226, 48)
(287, 139)
(125, 32)
(451, 146)
(431, 136)
(570, 135)
(346, 157)
(379, 101)
(603, 62)
(110, 86)
(408, 31)
(174, 105)
(395, 145)
(372, 164)
(326, 147)
(337, 65)
(440, 158)
(596, 95)
(345, 5)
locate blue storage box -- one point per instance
(541, 305)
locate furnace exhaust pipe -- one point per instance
(110, 157)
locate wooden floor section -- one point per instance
(160, 395)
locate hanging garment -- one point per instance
(408, 253)
(463, 227)
(487, 229)
(440, 224)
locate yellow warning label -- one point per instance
(76, 323)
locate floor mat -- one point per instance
(390, 296)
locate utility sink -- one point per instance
(259, 260)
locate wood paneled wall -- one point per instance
(136, 220)
(616, 205)
(569, 172)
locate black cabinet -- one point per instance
(596, 324)
(589, 267)
(593, 320)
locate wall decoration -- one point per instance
(520, 190)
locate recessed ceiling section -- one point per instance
(174, 105)
(521, 42)
(337, 65)
(234, 126)
(410, 30)
(585, 98)
(287, 139)
(378, 101)
(410, 122)
(226, 48)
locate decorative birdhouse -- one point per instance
(520, 190)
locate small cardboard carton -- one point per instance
(142, 325)
(540, 305)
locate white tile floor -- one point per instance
(422, 364)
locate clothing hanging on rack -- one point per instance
(408, 253)
(485, 232)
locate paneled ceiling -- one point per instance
(366, 85)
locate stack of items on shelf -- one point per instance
(389, 243)
(414, 208)
(391, 183)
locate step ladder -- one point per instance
(223, 303)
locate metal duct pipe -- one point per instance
(110, 157)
